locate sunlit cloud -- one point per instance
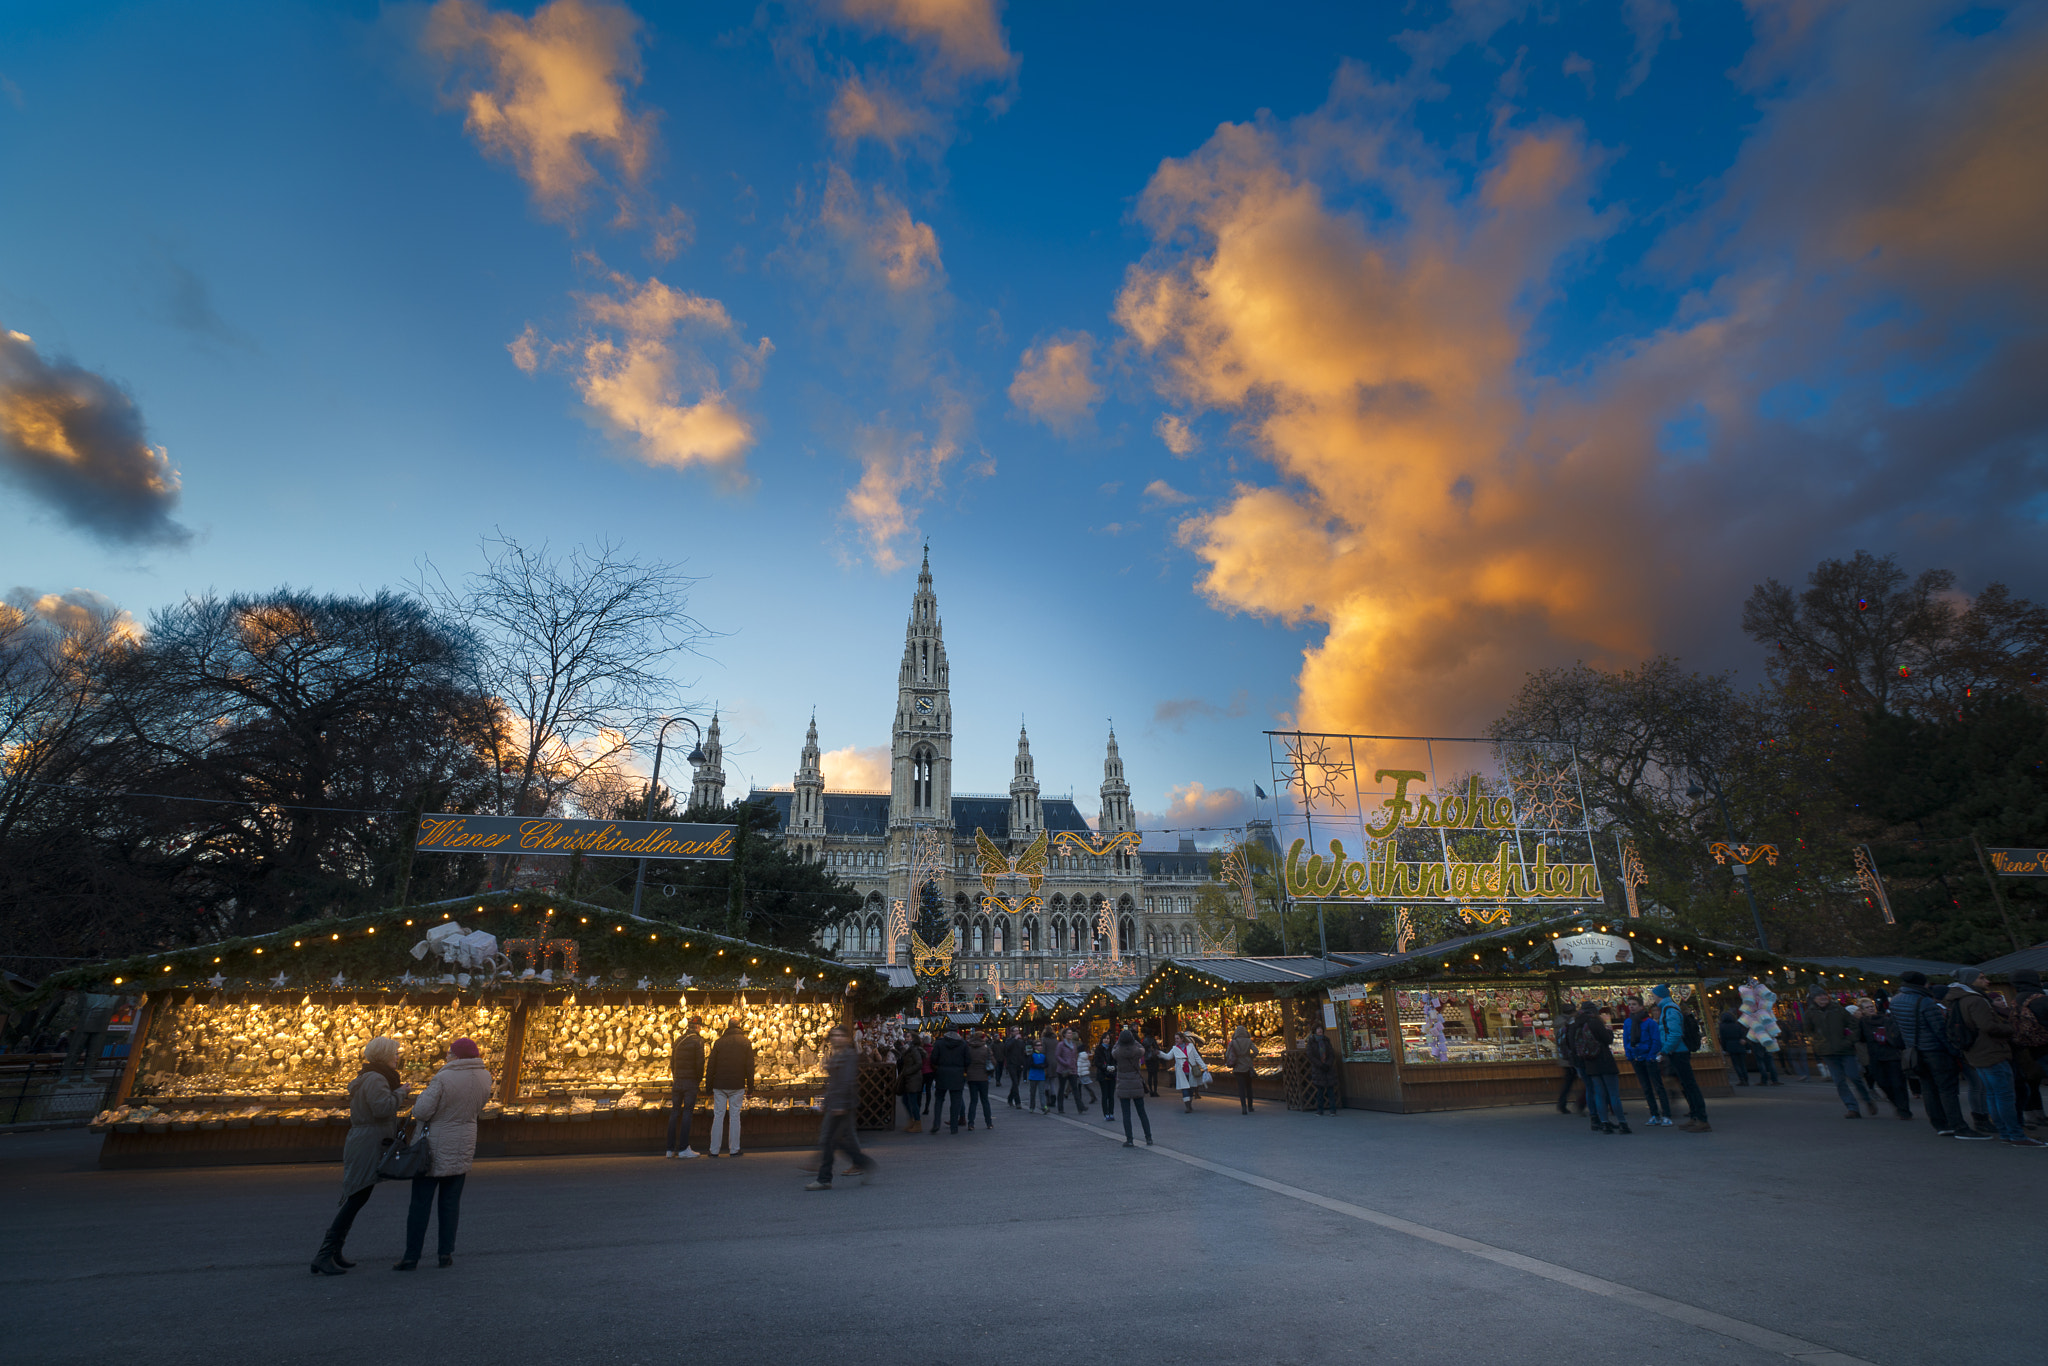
(903, 251)
(76, 612)
(1174, 432)
(1162, 494)
(1055, 382)
(1450, 515)
(965, 36)
(547, 93)
(643, 364)
(899, 471)
(870, 109)
(74, 441)
(856, 768)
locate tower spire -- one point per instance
(1116, 793)
(707, 789)
(1026, 819)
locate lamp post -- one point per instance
(1741, 870)
(696, 756)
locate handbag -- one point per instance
(406, 1158)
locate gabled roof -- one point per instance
(2035, 957)
(1194, 979)
(867, 813)
(1889, 967)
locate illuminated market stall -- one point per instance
(1472, 1022)
(1211, 997)
(244, 1049)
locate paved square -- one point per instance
(1042, 1240)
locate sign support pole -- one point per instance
(1996, 895)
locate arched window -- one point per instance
(980, 932)
(921, 763)
(999, 937)
(1059, 935)
(959, 934)
(874, 934)
(1151, 943)
(1126, 936)
(1187, 940)
(1059, 903)
(1032, 940)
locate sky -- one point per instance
(1328, 366)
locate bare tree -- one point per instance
(53, 666)
(575, 648)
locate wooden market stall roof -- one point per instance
(1181, 980)
(1059, 1006)
(2035, 957)
(1514, 950)
(1107, 1001)
(613, 950)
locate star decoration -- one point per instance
(743, 980)
(684, 979)
(278, 980)
(646, 982)
(799, 984)
(217, 980)
(336, 980)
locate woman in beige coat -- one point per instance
(373, 1101)
(448, 1107)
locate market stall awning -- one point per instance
(2035, 958)
(1890, 969)
(1194, 979)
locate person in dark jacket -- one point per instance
(1242, 1058)
(842, 1096)
(2029, 1043)
(1923, 1032)
(1154, 1056)
(1103, 1059)
(1040, 1073)
(685, 1079)
(373, 1101)
(1641, 1044)
(1989, 1053)
(910, 1080)
(730, 1073)
(1593, 1051)
(1322, 1070)
(1016, 1057)
(1878, 1033)
(1735, 1043)
(1561, 1040)
(1130, 1083)
(950, 1057)
(978, 1057)
(1834, 1042)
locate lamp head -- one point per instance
(696, 755)
(1694, 790)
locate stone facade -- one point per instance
(1145, 899)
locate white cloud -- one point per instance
(1055, 382)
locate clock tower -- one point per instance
(921, 753)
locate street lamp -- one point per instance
(1740, 869)
(696, 756)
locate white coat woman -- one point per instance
(448, 1107)
(374, 1098)
(1189, 1071)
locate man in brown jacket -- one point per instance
(1834, 1043)
(1987, 1048)
(686, 1078)
(731, 1074)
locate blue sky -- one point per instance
(1492, 336)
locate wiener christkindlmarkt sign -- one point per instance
(442, 833)
(1404, 820)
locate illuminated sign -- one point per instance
(1342, 878)
(441, 833)
(2019, 862)
(1593, 950)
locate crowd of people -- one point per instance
(1936, 1046)
(1971, 1058)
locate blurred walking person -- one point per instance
(1241, 1057)
(1834, 1042)
(1189, 1071)
(1878, 1033)
(448, 1108)
(1016, 1058)
(373, 1101)
(1322, 1069)
(1065, 1060)
(842, 1098)
(1105, 1074)
(1923, 1032)
(979, 1058)
(1593, 1050)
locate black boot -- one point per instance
(323, 1260)
(339, 1260)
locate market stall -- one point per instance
(1211, 997)
(573, 1007)
(1472, 1022)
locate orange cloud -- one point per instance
(903, 251)
(1055, 382)
(1174, 431)
(866, 108)
(544, 93)
(966, 36)
(642, 368)
(899, 470)
(856, 768)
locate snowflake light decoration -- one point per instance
(1548, 796)
(1315, 771)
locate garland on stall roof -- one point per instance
(376, 951)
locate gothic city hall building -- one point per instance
(1138, 902)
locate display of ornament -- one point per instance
(1433, 1028)
(1757, 1015)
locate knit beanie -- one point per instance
(1661, 992)
(463, 1048)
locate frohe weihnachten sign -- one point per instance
(441, 833)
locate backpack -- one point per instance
(2029, 1030)
(1692, 1032)
(1586, 1044)
(1960, 1033)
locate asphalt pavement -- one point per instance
(1787, 1233)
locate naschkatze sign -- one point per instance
(442, 833)
(1592, 950)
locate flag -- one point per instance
(1261, 792)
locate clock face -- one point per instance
(926, 705)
